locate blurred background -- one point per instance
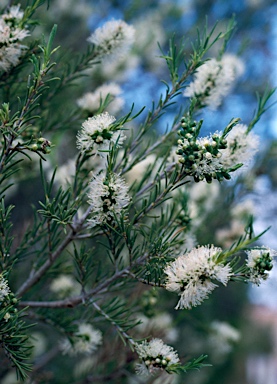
(250, 312)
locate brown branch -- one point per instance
(35, 277)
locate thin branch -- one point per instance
(74, 301)
(35, 277)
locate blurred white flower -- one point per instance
(214, 79)
(222, 339)
(241, 146)
(86, 340)
(149, 32)
(113, 39)
(227, 236)
(65, 285)
(91, 101)
(14, 13)
(10, 36)
(160, 325)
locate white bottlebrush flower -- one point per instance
(108, 196)
(96, 133)
(155, 355)
(114, 38)
(259, 262)
(86, 340)
(241, 146)
(9, 56)
(205, 157)
(192, 275)
(200, 156)
(214, 79)
(91, 101)
(10, 37)
(13, 13)
(222, 338)
(4, 288)
(65, 285)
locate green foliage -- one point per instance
(67, 268)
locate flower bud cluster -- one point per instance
(259, 263)
(156, 355)
(200, 157)
(11, 33)
(42, 145)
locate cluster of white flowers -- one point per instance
(10, 36)
(86, 340)
(191, 275)
(214, 80)
(222, 338)
(155, 355)
(207, 163)
(114, 38)
(65, 285)
(4, 288)
(108, 196)
(97, 133)
(91, 101)
(260, 262)
(214, 156)
(200, 157)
